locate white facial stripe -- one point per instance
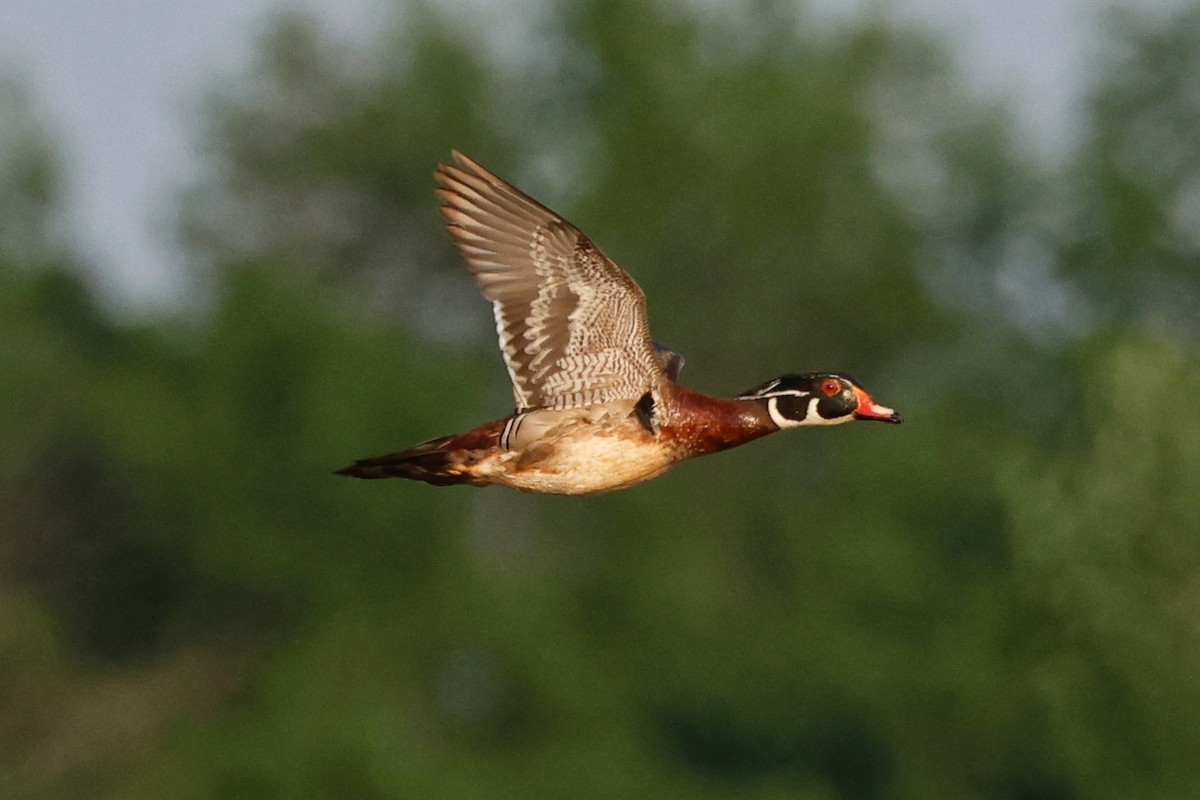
(772, 399)
(779, 419)
(811, 417)
(765, 394)
(814, 418)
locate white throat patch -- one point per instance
(787, 422)
(779, 419)
(811, 416)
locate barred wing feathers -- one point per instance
(572, 324)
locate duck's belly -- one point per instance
(579, 464)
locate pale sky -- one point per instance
(117, 84)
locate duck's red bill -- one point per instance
(869, 409)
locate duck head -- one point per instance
(818, 398)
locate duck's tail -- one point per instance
(438, 461)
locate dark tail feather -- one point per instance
(430, 461)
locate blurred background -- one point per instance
(223, 275)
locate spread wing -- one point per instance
(572, 324)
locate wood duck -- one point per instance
(598, 405)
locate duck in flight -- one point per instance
(597, 402)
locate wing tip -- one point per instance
(463, 165)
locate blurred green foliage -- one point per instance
(999, 599)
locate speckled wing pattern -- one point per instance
(572, 324)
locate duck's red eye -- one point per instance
(831, 387)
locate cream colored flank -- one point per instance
(577, 451)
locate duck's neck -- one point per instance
(702, 424)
